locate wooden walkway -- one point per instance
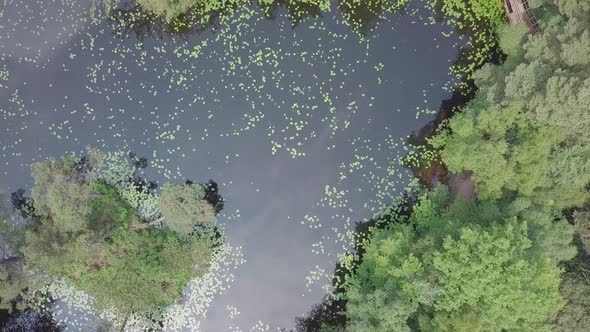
(518, 12)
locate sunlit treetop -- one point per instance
(547, 73)
(87, 228)
(461, 267)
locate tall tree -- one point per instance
(182, 206)
(549, 74)
(465, 267)
(87, 229)
(60, 195)
(507, 153)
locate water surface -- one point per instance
(302, 128)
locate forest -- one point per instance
(95, 222)
(494, 235)
(515, 257)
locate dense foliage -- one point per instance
(172, 9)
(30, 321)
(511, 153)
(575, 289)
(550, 74)
(90, 230)
(463, 267)
(183, 205)
(205, 8)
(529, 118)
(516, 257)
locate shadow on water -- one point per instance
(28, 320)
(433, 172)
(11, 263)
(297, 11)
(143, 24)
(361, 17)
(330, 313)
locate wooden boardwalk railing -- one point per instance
(518, 11)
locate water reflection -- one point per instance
(302, 128)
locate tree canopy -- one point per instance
(511, 153)
(525, 131)
(183, 205)
(92, 226)
(465, 267)
(515, 258)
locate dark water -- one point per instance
(302, 128)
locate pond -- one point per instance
(302, 127)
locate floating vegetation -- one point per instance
(478, 21)
(92, 242)
(272, 110)
(156, 17)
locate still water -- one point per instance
(302, 127)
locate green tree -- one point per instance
(184, 205)
(382, 294)
(13, 283)
(501, 148)
(573, 8)
(171, 9)
(200, 10)
(575, 286)
(463, 267)
(568, 175)
(60, 195)
(525, 132)
(13, 280)
(510, 38)
(549, 75)
(141, 272)
(489, 277)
